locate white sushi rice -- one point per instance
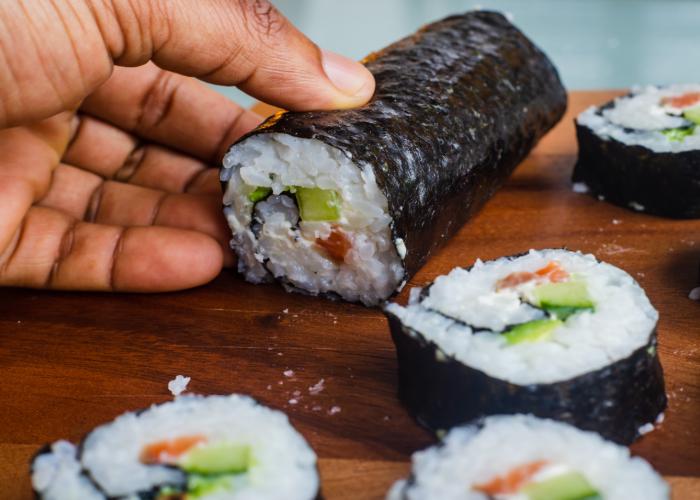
(57, 475)
(371, 270)
(639, 118)
(622, 322)
(282, 464)
(473, 455)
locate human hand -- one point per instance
(120, 194)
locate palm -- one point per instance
(121, 195)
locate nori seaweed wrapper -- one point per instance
(666, 184)
(442, 392)
(457, 106)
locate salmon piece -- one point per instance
(515, 279)
(169, 449)
(682, 101)
(552, 271)
(337, 244)
(512, 481)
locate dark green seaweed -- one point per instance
(666, 184)
(441, 392)
(457, 106)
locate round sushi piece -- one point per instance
(642, 151)
(195, 447)
(351, 203)
(552, 332)
(521, 457)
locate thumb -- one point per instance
(247, 43)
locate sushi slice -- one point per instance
(552, 332)
(521, 457)
(642, 151)
(352, 203)
(196, 447)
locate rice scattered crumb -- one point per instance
(616, 221)
(579, 187)
(316, 408)
(646, 428)
(601, 197)
(316, 389)
(285, 310)
(640, 274)
(296, 393)
(636, 206)
(288, 373)
(269, 387)
(279, 354)
(280, 382)
(660, 418)
(386, 418)
(694, 294)
(293, 401)
(334, 410)
(178, 385)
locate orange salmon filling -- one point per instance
(166, 451)
(682, 101)
(512, 481)
(552, 272)
(337, 244)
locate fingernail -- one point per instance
(348, 76)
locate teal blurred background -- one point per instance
(594, 43)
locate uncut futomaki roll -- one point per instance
(642, 151)
(195, 447)
(521, 457)
(352, 203)
(554, 333)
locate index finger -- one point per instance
(171, 109)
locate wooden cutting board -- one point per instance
(71, 361)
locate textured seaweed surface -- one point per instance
(457, 106)
(666, 184)
(614, 401)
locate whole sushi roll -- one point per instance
(195, 447)
(554, 333)
(521, 457)
(352, 203)
(642, 151)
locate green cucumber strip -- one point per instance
(218, 458)
(678, 134)
(572, 294)
(693, 115)
(316, 204)
(568, 486)
(202, 485)
(259, 193)
(532, 331)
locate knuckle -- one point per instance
(262, 18)
(157, 101)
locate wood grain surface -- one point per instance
(71, 361)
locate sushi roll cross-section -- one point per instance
(552, 332)
(214, 448)
(352, 203)
(642, 151)
(521, 457)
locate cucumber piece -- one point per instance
(568, 486)
(678, 134)
(532, 331)
(692, 115)
(203, 485)
(569, 294)
(316, 204)
(259, 193)
(217, 458)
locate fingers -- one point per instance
(247, 43)
(84, 195)
(172, 110)
(53, 250)
(114, 154)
